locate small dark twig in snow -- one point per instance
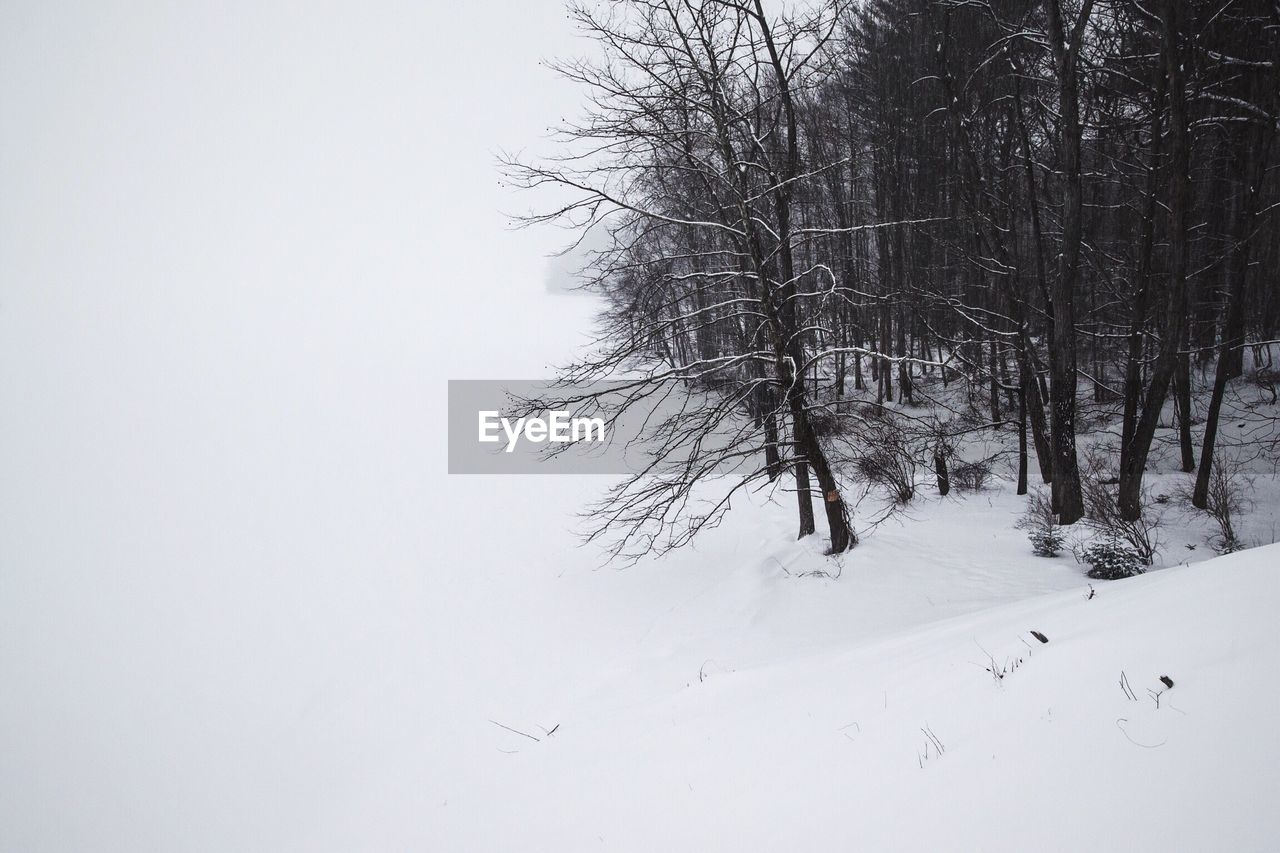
(1134, 742)
(930, 738)
(517, 731)
(928, 732)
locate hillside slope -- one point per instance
(909, 742)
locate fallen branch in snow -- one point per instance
(1124, 685)
(522, 734)
(930, 737)
(928, 732)
(1156, 694)
(1134, 742)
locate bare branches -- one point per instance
(954, 206)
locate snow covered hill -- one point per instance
(243, 607)
(913, 742)
(963, 734)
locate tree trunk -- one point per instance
(1134, 463)
(1182, 400)
(1068, 499)
(1022, 440)
(1258, 139)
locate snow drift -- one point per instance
(965, 734)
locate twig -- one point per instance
(1124, 685)
(1134, 742)
(517, 731)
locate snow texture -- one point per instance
(242, 607)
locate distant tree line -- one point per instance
(836, 215)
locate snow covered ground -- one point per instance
(908, 741)
(243, 607)
(269, 621)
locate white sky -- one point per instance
(297, 146)
(242, 247)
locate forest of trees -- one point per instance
(870, 230)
